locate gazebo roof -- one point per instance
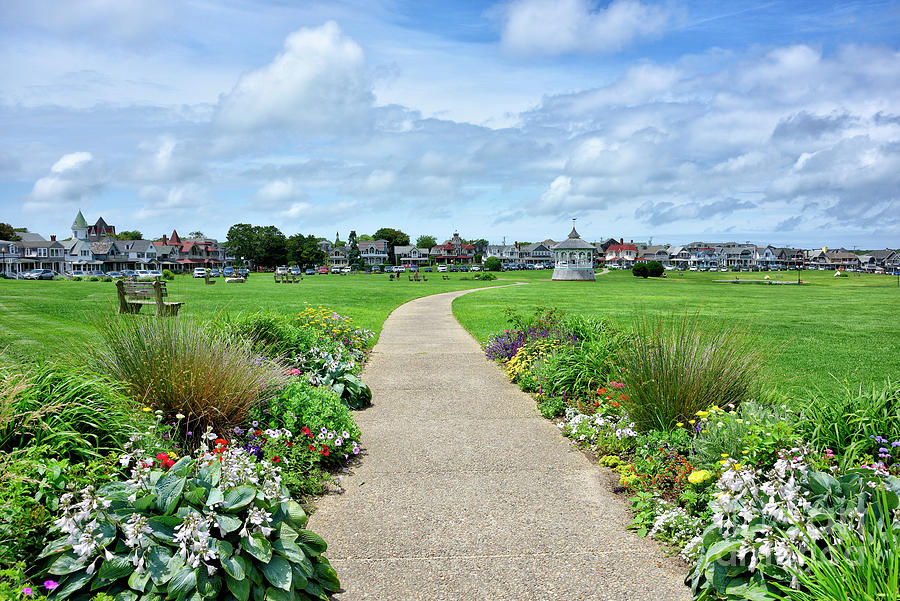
(573, 242)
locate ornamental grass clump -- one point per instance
(676, 368)
(186, 367)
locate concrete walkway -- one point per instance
(465, 492)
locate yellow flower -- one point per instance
(679, 424)
(745, 452)
(739, 420)
(737, 466)
(146, 409)
(173, 455)
(699, 477)
(704, 431)
(724, 454)
(692, 421)
(702, 413)
(723, 462)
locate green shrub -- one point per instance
(302, 405)
(77, 278)
(195, 530)
(673, 370)
(33, 480)
(14, 584)
(78, 414)
(484, 277)
(640, 270)
(276, 335)
(551, 406)
(849, 421)
(492, 264)
(189, 368)
(167, 275)
(655, 269)
(95, 278)
(107, 279)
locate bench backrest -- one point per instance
(140, 290)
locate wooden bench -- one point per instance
(445, 276)
(288, 278)
(134, 295)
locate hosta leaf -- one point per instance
(151, 597)
(238, 588)
(211, 474)
(138, 581)
(225, 548)
(232, 567)
(55, 547)
(162, 527)
(115, 491)
(312, 543)
(215, 496)
(181, 466)
(326, 576)
(238, 496)
(157, 564)
(208, 586)
(144, 503)
(278, 572)
(274, 594)
(257, 546)
(289, 549)
(295, 513)
(315, 590)
(71, 585)
(115, 567)
(168, 493)
(195, 495)
(182, 582)
(227, 523)
(126, 596)
(720, 550)
(299, 578)
(67, 563)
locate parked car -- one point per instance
(228, 272)
(199, 272)
(335, 269)
(40, 274)
(296, 271)
(115, 275)
(143, 273)
(155, 273)
(375, 269)
(442, 268)
(464, 268)
(323, 271)
(244, 273)
(310, 271)
(129, 273)
(281, 270)
(475, 268)
(214, 273)
(428, 270)
(345, 270)
(453, 269)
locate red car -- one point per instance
(323, 270)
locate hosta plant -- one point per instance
(219, 525)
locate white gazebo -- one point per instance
(574, 259)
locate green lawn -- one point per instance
(42, 319)
(831, 330)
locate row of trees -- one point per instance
(267, 246)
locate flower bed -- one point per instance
(758, 494)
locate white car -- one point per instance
(474, 268)
(144, 273)
(200, 272)
(442, 268)
(345, 270)
(335, 269)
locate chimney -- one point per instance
(164, 240)
(53, 238)
(621, 240)
(632, 241)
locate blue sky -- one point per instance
(773, 122)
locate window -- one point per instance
(42, 252)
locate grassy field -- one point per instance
(818, 335)
(44, 319)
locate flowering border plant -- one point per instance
(191, 528)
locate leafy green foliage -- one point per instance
(640, 270)
(849, 421)
(76, 413)
(675, 369)
(655, 269)
(168, 275)
(206, 525)
(492, 264)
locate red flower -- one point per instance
(289, 443)
(312, 447)
(275, 459)
(305, 430)
(167, 463)
(601, 391)
(623, 397)
(221, 442)
(161, 456)
(325, 451)
(615, 404)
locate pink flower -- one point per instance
(50, 585)
(27, 591)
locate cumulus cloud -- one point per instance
(73, 179)
(173, 201)
(166, 160)
(565, 26)
(318, 83)
(278, 194)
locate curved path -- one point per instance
(465, 492)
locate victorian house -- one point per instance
(453, 251)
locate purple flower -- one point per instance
(50, 585)
(356, 450)
(27, 591)
(883, 450)
(896, 443)
(254, 423)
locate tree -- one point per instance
(271, 246)
(365, 238)
(394, 238)
(354, 257)
(129, 235)
(197, 234)
(241, 242)
(640, 270)
(655, 269)
(492, 264)
(426, 241)
(8, 233)
(304, 250)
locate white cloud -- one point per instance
(563, 26)
(276, 194)
(169, 203)
(318, 83)
(74, 178)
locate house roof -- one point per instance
(622, 248)
(882, 254)
(31, 237)
(139, 245)
(102, 247)
(79, 222)
(573, 242)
